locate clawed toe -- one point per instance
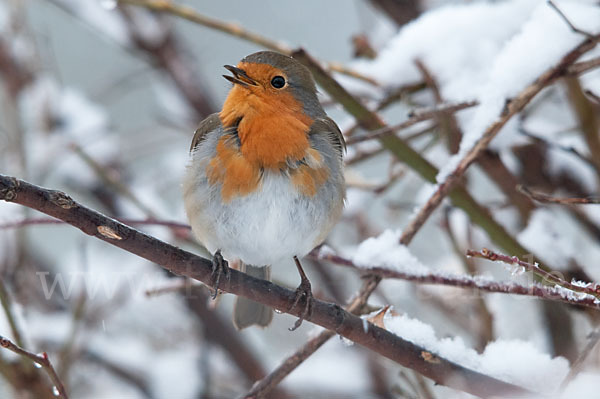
(220, 267)
(303, 290)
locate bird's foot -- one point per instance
(220, 268)
(303, 291)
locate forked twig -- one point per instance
(42, 360)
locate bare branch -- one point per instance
(233, 29)
(545, 198)
(6, 302)
(584, 66)
(330, 316)
(415, 117)
(592, 95)
(43, 361)
(568, 21)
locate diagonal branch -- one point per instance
(233, 29)
(513, 107)
(330, 316)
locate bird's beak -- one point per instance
(239, 77)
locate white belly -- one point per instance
(272, 224)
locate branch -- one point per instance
(584, 66)
(233, 29)
(134, 222)
(6, 302)
(586, 288)
(58, 388)
(545, 198)
(415, 117)
(330, 316)
(513, 107)
(593, 96)
(466, 281)
(568, 21)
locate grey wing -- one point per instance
(211, 123)
(328, 127)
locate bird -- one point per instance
(264, 183)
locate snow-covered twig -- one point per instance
(545, 198)
(41, 360)
(472, 282)
(582, 288)
(512, 107)
(233, 29)
(330, 316)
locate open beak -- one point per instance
(239, 77)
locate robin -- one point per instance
(264, 183)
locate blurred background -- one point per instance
(101, 101)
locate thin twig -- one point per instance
(545, 198)
(592, 95)
(513, 107)
(447, 120)
(235, 30)
(330, 316)
(568, 21)
(108, 178)
(415, 117)
(467, 281)
(577, 365)
(584, 66)
(586, 288)
(6, 302)
(42, 360)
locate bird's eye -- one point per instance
(278, 82)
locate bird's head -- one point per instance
(270, 82)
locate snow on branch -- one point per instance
(573, 289)
(512, 107)
(402, 270)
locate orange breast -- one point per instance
(273, 132)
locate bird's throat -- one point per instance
(272, 130)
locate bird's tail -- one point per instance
(247, 312)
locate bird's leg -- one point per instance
(303, 290)
(220, 267)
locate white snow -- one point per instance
(509, 360)
(385, 251)
(488, 51)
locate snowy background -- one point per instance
(102, 102)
